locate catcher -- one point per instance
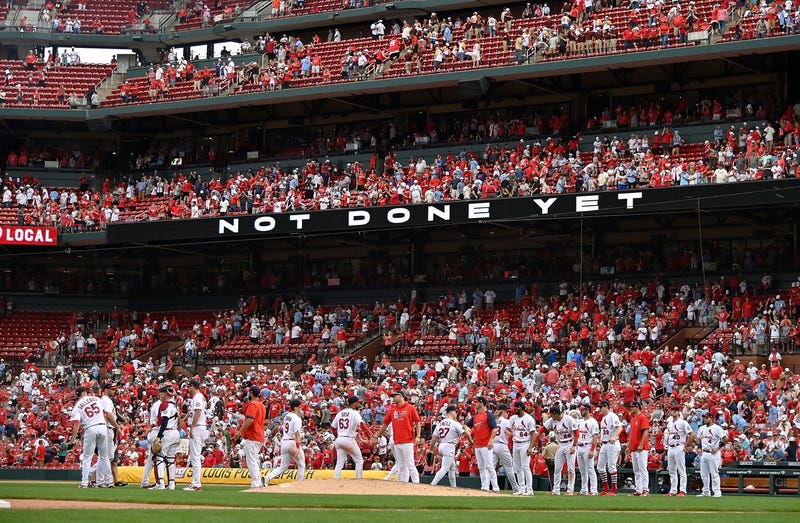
(149, 463)
(165, 445)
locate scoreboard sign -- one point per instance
(27, 235)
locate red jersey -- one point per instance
(403, 420)
(639, 424)
(483, 425)
(257, 411)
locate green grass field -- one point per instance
(354, 509)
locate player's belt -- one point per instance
(522, 441)
(676, 445)
(96, 425)
(565, 441)
(584, 444)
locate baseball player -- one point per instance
(588, 443)
(291, 445)
(500, 451)
(406, 427)
(111, 444)
(483, 430)
(88, 414)
(151, 436)
(346, 425)
(610, 429)
(252, 434)
(677, 434)
(521, 428)
(170, 440)
(639, 448)
(197, 432)
(711, 438)
(566, 430)
(447, 433)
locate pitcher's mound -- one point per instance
(368, 487)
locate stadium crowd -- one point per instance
(536, 166)
(436, 44)
(574, 352)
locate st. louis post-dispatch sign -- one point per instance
(28, 235)
(540, 207)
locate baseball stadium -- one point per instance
(377, 260)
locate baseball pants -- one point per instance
(252, 449)
(607, 463)
(199, 437)
(347, 447)
(502, 455)
(165, 464)
(95, 438)
(640, 479)
(521, 464)
(149, 461)
(486, 468)
(676, 464)
(709, 471)
(404, 456)
(448, 453)
(111, 448)
(564, 455)
(395, 468)
(289, 453)
(586, 468)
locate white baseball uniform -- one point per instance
(501, 452)
(197, 413)
(111, 445)
(448, 431)
(170, 440)
(609, 451)
(522, 428)
(675, 437)
(588, 428)
(565, 429)
(710, 441)
(89, 412)
(151, 436)
(292, 425)
(347, 422)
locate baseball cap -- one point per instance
(502, 406)
(109, 385)
(481, 399)
(255, 390)
(707, 414)
(519, 405)
(585, 406)
(80, 390)
(168, 389)
(194, 383)
(294, 403)
(353, 399)
(637, 404)
(451, 408)
(555, 409)
(605, 403)
(401, 393)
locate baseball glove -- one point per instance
(156, 446)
